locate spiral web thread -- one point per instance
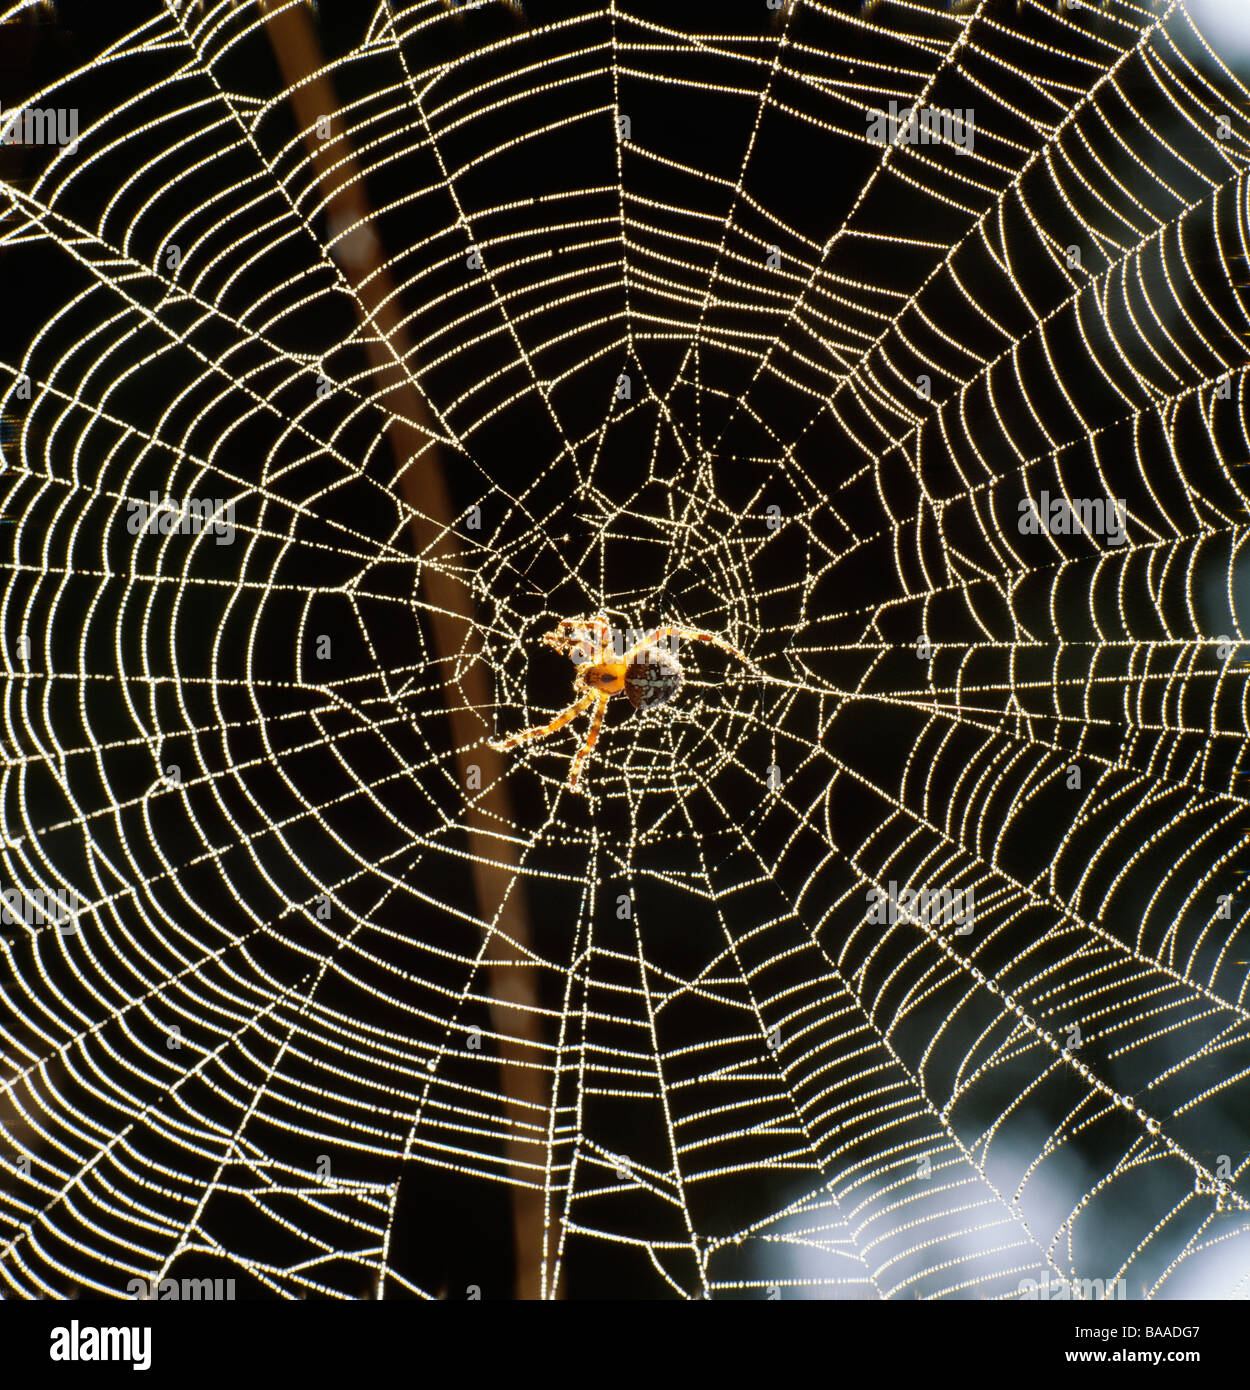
(672, 386)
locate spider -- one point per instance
(648, 673)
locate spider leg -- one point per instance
(542, 730)
(684, 634)
(596, 723)
(603, 638)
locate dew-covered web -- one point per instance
(688, 347)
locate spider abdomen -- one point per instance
(652, 679)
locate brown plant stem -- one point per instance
(450, 611)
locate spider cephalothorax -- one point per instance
(646, 671)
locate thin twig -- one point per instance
(454, 631)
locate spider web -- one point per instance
(694, 350)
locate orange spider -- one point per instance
(648, 673)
